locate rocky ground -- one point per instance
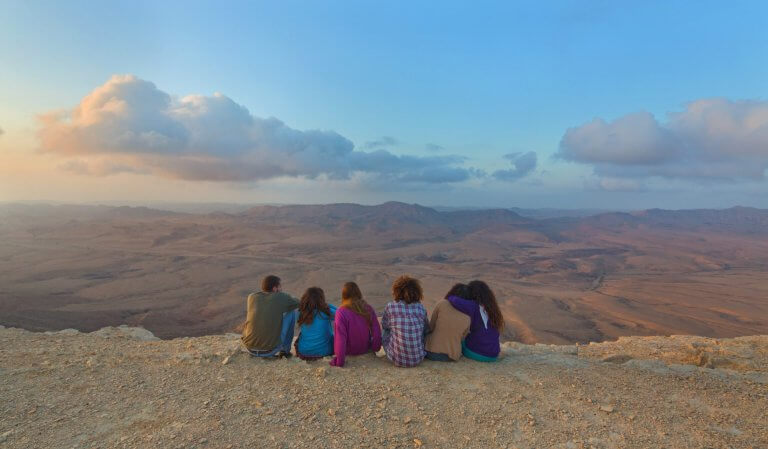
(122, 388)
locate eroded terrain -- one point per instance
(559, 280)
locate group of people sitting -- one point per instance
(467, 322)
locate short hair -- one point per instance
(407, 289)
(269, 282)
(460, 290)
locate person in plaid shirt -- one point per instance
(405, 323)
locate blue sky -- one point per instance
(487, 82)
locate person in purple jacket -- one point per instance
(487, 322)
(356, 327)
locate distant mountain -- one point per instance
(735, 219)
(558, 213)
(396, 216)
(539, 214)
(77, 211)
(387, 216)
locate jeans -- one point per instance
(438, 357)
(286, 336)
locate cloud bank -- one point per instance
(523, 164)
(129, 125)
(385, 141)
(713, 139)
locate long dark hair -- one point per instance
(458, 289)
(352, 299)
(312, 300)
(483, 295)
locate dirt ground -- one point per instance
(122, 388)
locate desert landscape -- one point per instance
(560, 279)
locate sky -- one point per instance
(568, 104)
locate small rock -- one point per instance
(321, 372)
(4, 436)
(407, 420)
(184, 356)
(203, 440)
(331, 412)
(606, 408)
(417, 442)
(226, 360)
(617, 358)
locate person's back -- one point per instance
(269, 315)
(315, 325)
(356, 327)
(482, 343)
(404, 322)
(448, 328)
(316, 338)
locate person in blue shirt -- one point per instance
(316, 325)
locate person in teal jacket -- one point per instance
(316, 325)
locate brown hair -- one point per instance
(407, 289)
(312, 300)
(483, 295)
(269, 282)
(460, 290)
(352, 299)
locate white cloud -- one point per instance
(711, 139)
(523, 164)
(128, 124)
(611, 184)
(385, 141)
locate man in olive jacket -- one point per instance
(271, 317)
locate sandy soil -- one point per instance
(122, 388)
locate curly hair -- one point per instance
(407, 289)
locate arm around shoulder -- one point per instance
(289, 302)
(462, 305)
